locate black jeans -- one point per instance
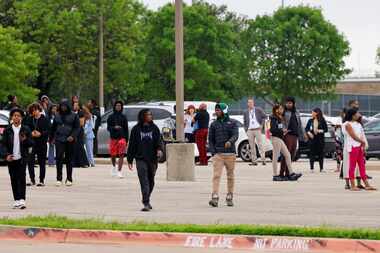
(64, 154)
(317, 153)
(41, 151)
(146, 172)
(17, 172)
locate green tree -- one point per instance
(294, 52)
(212, 53)
(18, 66)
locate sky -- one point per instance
(358, 20)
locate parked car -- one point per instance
(303, 147)
(372, 131)
(160, 114)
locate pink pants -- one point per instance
(357, 157)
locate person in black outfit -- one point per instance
(96, 117)
(40, 127)
(12, 103)
(79, 157)
(65, 130)
(315, 129)
(16, 144)
(145, 147)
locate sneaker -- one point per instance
(278, 178)
(69, 183)
(294, 176)
(229, 199)
(92, 165)
(16, 204)
(145, 208)
(113, 172)
(41, 184)
(31, 183)
(284, 178)
(214, 201)
(22, 204)
(58, 183)
(120, 174)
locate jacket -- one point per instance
(25, 146)
(42, 125)
(222, 131)
(88, 129)
(301, 131)
(118, 119)
(320, 137)
(276, 127)
(260, 117)
(144, 143)
(202, 119)
(98, 119)
(65, 124)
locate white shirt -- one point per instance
(253, 123)
(188, 121)
(16, 143)
(358, 130)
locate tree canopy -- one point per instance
(297, 52)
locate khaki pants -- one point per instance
(253, 137)
(219, 162)
(279, 147)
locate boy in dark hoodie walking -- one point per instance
(145, 147)
(117, 125)
(222, 137)
(16, 144)
(64, 132)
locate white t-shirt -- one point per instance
(16, 143)
(359, 132)
(253, 123)
(188, 121)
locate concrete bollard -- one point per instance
(180, 162)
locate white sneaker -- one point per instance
(69, 183)
(22, 204)
(120, 174)
(58, 183)
(114, 172)
(16, 204)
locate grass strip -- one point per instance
(60, 222)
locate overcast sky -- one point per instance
(359, 20)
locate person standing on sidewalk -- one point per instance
(64, 132)
(295, 132)
(189, 124)
(315, 129)
(202, 120)
(222, 137)
(97, 121)
(89, 136)
(16, 144)
(145, 147)
(117, 125)
(40, 127)
(53, 110)
(278, 131)
(254, 119)
(356, 145)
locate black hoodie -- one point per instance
(118, 119)
(65, 124)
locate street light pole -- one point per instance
(179, 71)
(101, 65)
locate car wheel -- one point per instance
(245, 151)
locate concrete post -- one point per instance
(180, 162)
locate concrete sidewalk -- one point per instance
(317, 199)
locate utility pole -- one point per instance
(179, 71)
(101, 65)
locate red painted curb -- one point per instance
(285, 244)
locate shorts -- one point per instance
(117, 147)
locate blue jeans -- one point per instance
(51, 154)
(90, 151)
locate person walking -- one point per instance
(189, 124)
(202, 120)
(356, 145)
(89, 136)
(145, 147)
(315, 129)
(53, 110)
(254, 120)
(40, 127)
(278, 131)
(65, 131)
(117, 125)
(222, 138)
(295, 132)
(16, 144)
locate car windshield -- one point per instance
(373, 126)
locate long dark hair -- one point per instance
(319, 113)
(141, 115)
(350, 114)
(274, 110)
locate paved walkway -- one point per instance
(317, 199)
